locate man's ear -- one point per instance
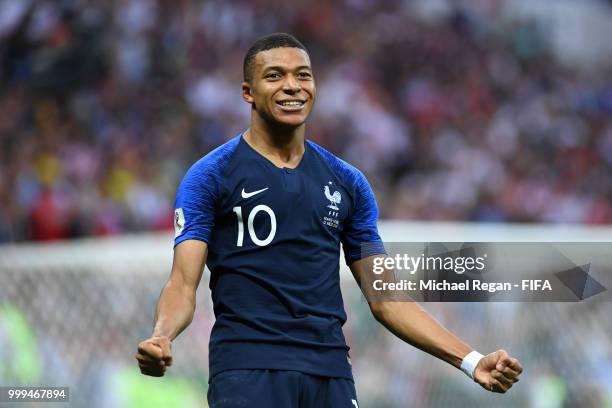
(246, 92)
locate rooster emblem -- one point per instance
(334, 198)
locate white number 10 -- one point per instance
(257, 241)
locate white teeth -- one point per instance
(291, 103)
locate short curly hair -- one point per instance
(267, 42)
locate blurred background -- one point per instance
(482, 111)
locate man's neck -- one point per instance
(282, 146)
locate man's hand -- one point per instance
(175, 307)
(497, 372)
(154, 355)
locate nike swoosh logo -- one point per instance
(244, 194)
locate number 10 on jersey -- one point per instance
(250, 219)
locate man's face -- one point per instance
(282, 89)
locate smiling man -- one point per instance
(267, 212)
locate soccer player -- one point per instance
(267, 212)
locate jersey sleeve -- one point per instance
(360, 236)
(195, 205)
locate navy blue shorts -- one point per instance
(279, 389)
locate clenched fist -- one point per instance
(154, 355)
(497, 372)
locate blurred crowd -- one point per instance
(105, 104)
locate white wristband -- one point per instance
(469, 363)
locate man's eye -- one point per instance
(304, 75)
(273, 75)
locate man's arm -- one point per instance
(403, 317)
(175, 307)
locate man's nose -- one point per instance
(291, 84)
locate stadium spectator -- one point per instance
(104, 105)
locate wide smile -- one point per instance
(291, 105)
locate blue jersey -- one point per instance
(274, 239)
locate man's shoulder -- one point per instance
(215, 161)
(350, 174)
